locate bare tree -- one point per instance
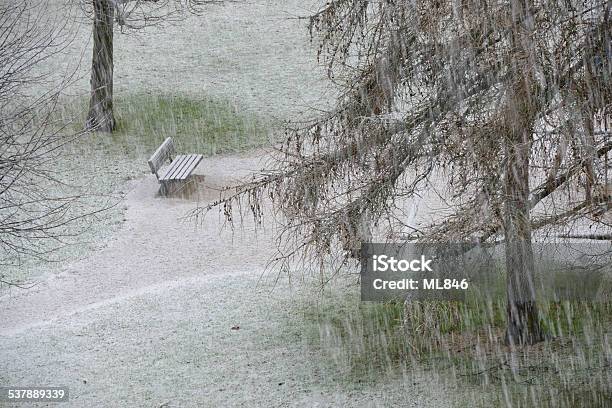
(33, 215)
(482, 99)
(129, 15)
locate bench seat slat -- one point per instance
(182, 167)
(176, 175)
(177, 163)
(179, 169)
(187, 169)
(190, 167)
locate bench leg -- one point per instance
(170, 187)
(179, 188)
(163, 188)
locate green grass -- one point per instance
(196, 124)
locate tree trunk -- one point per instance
(523, 324)
(100, 116)
(522, 312)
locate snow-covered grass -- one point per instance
(362, 341)
(256, 54)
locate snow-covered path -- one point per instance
(156, 245)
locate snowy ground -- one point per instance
(255, 53)
(145, 319)
(143, 314)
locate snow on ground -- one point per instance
(254, 53)
(145, 320)
(148, 320)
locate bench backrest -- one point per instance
(163, 153)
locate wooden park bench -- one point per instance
(176, 175)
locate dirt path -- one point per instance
(147, 320)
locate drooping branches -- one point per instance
(438, 79)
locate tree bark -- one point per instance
(100, 117)
(523, 326)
